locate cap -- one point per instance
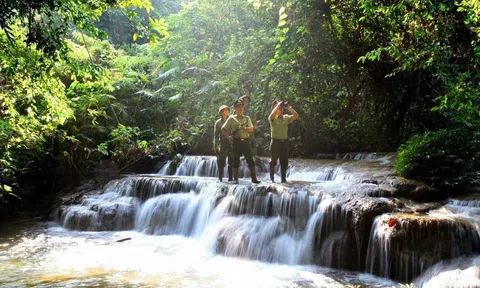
(223, 107)
(238, 102)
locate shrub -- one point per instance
(446, 159)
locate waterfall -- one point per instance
(365, 156)
(206, 166)
(460, 272)
(466, 203)
(402, 246)
(164, 169)
(314, 220)
(269, 223)
(106, 212)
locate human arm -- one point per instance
(225, 129)
(294, 113)
(274, 111)
(249, 126)
(216, 134)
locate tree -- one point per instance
(47, 21)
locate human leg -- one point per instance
(237, 152)
(274, 155)
(221, 160)
(283, 149)
(230, 165)
(247, 153)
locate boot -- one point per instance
(283, 170)
(220, 174)
(254, 175)
(235, 175)
(272, 173)
(230, 174)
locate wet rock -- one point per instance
(105, 171)
(379, 191)
(97, 215)
(422, 208)
(339, 251)
(370, 181)
(59, 212)
(78, 194)
(361, 215)
(414, 190)
(416, 242)
(79, 218)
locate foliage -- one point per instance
(214, 54)
(435, 38)
(33, 105)
(47, 21)
(136, 25)
(363, 75)
(64, 108)
(447, 159)
(174, 142)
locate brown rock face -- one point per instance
(414, 190)
(361, 215)
(402, 246)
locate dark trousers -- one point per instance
(279, 150)
(253, 145)
(225, 151)
(242, 148)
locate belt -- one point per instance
(241, 139)
(280, 140)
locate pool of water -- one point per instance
(46, 255)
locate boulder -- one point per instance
(360, 217)
(402, 246)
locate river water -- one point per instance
(182, 228)
(47, 255)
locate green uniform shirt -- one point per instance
(252, 135)
(234, 121)
(218, 138)
(279, 126)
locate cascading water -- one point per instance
(317, 220)
(461, 272)
(303, 170)
(205, 166)
(268, 223)
(404, 246)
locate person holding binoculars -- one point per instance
(279, 132)
(237, 129)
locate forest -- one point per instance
(133, 80)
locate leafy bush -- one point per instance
(447, 159)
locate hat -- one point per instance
(245, 96)
(238, 102)
(223, 107)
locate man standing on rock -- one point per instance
(253, 140)
(238, 128)
(279, 131)
(222, 145)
